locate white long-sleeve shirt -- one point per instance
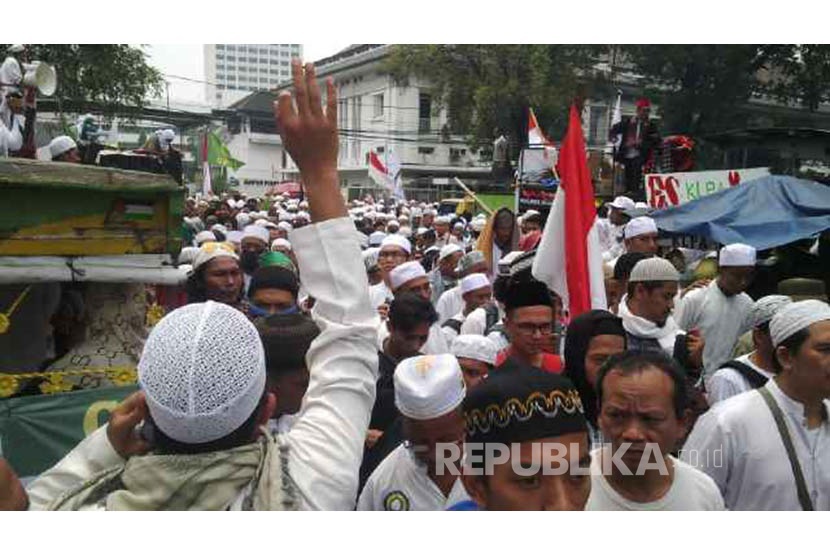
(721, 321)
(450, 303)
(325, 443)
(737, 444)
(728, 382)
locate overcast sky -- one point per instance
(187, 61)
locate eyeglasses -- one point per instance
(530, 329)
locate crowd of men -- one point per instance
(380, 356)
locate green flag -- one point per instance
(219, 155)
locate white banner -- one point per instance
(671, 190)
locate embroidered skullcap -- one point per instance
(211, 250)
(470, 259)
(523, 405)
(640, 226)
(404, 273)
(202, 371)
(474, 282)
(797, 316)
(376, 238)
(448, 250)
(626, 263)
(765, 308)
(203, 237)
(737, 254)
(474, 346)
(280, 242)
(654, 269)
(396, 241)
(622, 203)
(256, 232)
(428, 386)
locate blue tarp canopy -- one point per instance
(765, 212)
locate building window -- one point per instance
(231, 58)
(424, 113)
(220, 47)
(220, 56)
(377, 107)
(426, 150)
(284, 62)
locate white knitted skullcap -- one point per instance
(428, 386)
(376, 238)
(765, 308)
(203, 237)
(473, 282)
(443, 219)
(202, 371)
(473, 346)
(60, 145)
(393, 223)
(280, 242)
(654, 269)
(622, 203)
(640, 226)
(256, 232)
(219, 228)
(797, 316)
(242, 220)
(406, 272)
(211, 250)
(285, 227)
(397, 241)
(187, 255)
(737, 254)
(234, 236)
(448, 250)
(265, 223)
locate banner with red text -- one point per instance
(671, 190)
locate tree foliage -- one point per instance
(490, 86)
(105, 74)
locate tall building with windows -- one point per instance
(234, 70)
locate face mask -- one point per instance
(257, 311)
(249, 261)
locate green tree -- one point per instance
(799, 73)
(490, 86)
(105, 74)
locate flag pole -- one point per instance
(473, 195)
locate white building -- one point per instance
(234, 70)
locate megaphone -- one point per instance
(41, 75)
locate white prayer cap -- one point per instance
(187, 255)
(285, 226)
(406, 272)
(280, 242)
(737, 254)
(265, 223)
(234, 236)
(397, 241)
(640, 226)
(654, 269)
(303, 205)
(622, 203)
(640, 205)
(211, 250)
(443, 219)
(765, 308)
(166, 135)
(458, 226)
(474, 346)
(60, 145)
(376, 238)
(204, 236)
(478, 224)
(242, 220)
(797, 316)
(219, 228)
(202, 372)
(303, 215)
(469, 260)
(448, 250)
(256, 232)
(422, 230)
(393, 223)
(473, 282)
(416, 212)
(370, 257)
(428, 386)
(405, 231)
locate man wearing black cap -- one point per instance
(527, 411)
(529, 321)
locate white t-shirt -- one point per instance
(690, 490)
(449, 304)
(399, 483)
(728, 382)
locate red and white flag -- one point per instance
(387, 175)
(569, 257)
(535, 137)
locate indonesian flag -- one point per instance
(535, 137)
(387, 175)
(378, 170)
(569, 257)
(206, 185)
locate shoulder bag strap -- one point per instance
(801, 486)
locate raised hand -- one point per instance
(121, 430)
(12, 495)
(310, 137)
